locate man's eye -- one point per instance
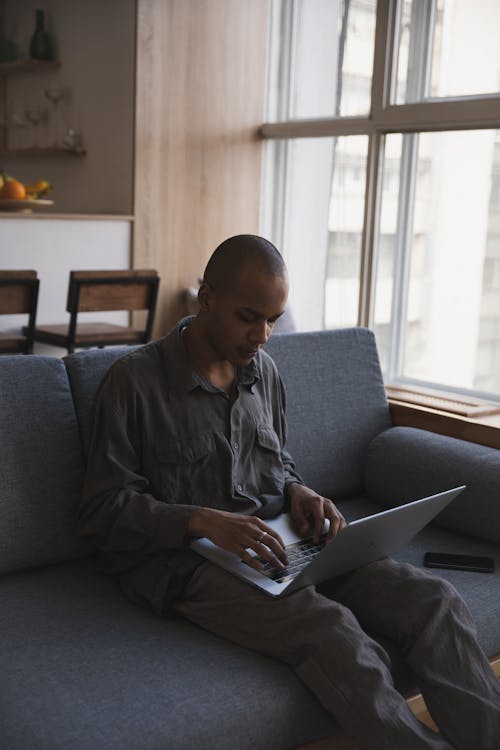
(246, 317)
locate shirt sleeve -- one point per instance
(118, 510)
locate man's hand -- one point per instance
(309, 510)
(238, 534)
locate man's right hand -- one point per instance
(239, 534)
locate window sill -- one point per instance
(445, 414)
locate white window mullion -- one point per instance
(370, 231)
(383, 64)
(385, 55)
(402, 259)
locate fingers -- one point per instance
(316, 521)
(244, 535)
(337, 520)
(255, 542)
(309, 513)
(268, 546)
(301, 519)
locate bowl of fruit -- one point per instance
(15, 196)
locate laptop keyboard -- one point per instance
(299, 555)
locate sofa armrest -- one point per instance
(404, 464)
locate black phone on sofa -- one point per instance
(459, 562)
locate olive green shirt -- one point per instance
(164, 442)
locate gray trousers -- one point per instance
(321, 636)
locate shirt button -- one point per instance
(239, 487)
(236, 446)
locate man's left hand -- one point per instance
(309, 510)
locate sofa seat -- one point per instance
(75, 652)
(83, 669)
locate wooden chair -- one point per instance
(18, 295)
(99, 291)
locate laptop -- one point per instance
(361, 542)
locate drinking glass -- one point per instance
(34, 115)
(54, 94)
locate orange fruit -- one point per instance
(13, 189)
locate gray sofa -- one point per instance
(83, 669)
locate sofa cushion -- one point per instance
(85, 370)
(405, 463)
(336, 403)
(41, 466)
(82, 669)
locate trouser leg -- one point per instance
(428, 619)
(325, 645)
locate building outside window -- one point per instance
(382, 178)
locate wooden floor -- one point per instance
(416, 704)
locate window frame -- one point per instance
(433, 115)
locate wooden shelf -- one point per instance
(28, 66)
(41, 152)
(52, 215)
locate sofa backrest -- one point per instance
(41, 464)
(336, 400)
(85, 371)
(336, 404)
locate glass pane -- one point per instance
(448, 48)
(440, 225)
(321, 58)
(345, 227)
(386, 247)
(316, 220)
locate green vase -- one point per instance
(40, 45)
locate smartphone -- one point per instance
(459, 562)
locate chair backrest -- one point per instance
(19, 295)
(99, 291)
(93, 291)
(18, 292)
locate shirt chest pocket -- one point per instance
(185, 468)
(268, 439)
(269, 462)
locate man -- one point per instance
(189, 440)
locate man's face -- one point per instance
(241, 319)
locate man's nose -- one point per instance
(260, 332)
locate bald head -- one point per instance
(237, 253)
(243, 293)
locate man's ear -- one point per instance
(205, 296)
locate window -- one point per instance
(382, 178)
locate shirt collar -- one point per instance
(184, 378)
(249, 374)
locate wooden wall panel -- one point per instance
(200, 89)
